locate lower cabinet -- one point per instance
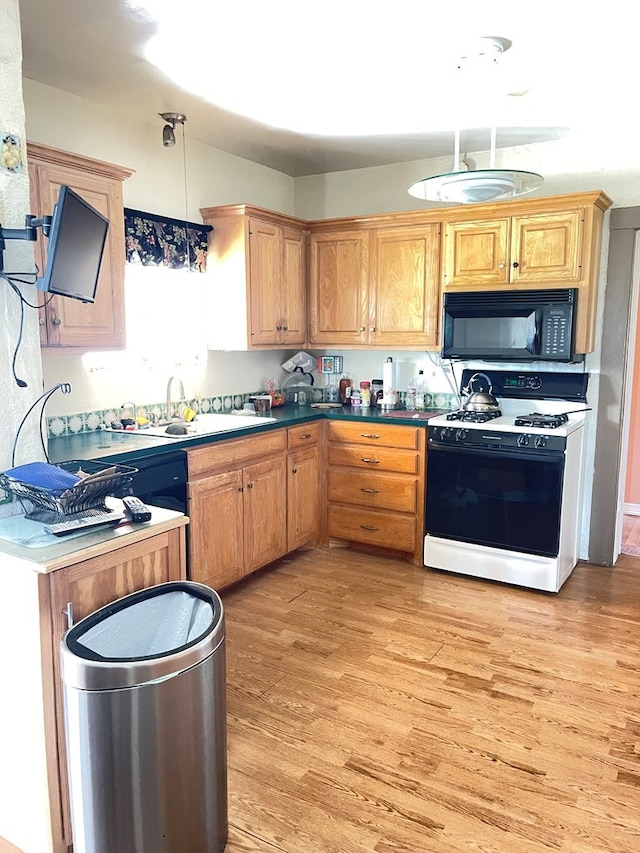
(251, 500)
(375, 486)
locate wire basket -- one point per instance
(85, 498)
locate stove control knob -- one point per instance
(445, 433)
(523, 440)
(461, 434)
(541, 441)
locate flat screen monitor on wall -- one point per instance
(77, 239)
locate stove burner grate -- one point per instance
(471, 416)
(536, 419)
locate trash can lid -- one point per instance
(149, 634)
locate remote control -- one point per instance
(76, 525)
(135, 509)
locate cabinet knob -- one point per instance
(362, 328)
(304, 436)
(294, 470)
(68, 612)
(56, 321)
(369, 435)
(371, 461)
(41, 321)
(278, 328)
(369, 527)
(500, 266)
(285, 328)
(515, 265)
(249, 485)
(370, 491)
(372, 329)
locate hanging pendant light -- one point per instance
(463, 186)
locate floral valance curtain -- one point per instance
(159, 241)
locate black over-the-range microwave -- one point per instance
(523, 325)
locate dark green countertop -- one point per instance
(125, 447)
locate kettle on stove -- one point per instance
(480, 399)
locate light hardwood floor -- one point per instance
(631, 535)
(376, 706)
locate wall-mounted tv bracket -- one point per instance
(29, 232)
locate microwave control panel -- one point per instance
(556, 332)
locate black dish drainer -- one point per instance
(84, 499)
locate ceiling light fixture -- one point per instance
(464, 186)
(168, 131)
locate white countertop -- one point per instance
(23, 540)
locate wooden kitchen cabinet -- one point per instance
(237, 507)
(68, 322)
(375, 287)
(375, 485)
(303, 484)
(404, 287)
(339, 312)
(257, 266)
(534, 251)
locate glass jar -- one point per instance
(344, 392)
(376, 392)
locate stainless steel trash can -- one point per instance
(145, 715)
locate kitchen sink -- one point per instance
(205, 424)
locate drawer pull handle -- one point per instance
(371, 491)
(372, 461)
(369, 527)
(369, 435)
(305, 436)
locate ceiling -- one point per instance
(343, 84)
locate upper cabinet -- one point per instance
(68, 322)
(543, 243)
(375, 287)
(533, 250)
(257, 272)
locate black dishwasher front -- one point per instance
(161, 480)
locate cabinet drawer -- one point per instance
(303, 435)
(375, 458)
(368, 489)
(375, 528)
(375, 434)
(239, 451)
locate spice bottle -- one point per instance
(344, 392)
(365, 393)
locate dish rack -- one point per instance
(84, 499)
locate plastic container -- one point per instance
(376, 392)
(365, 393)
(421, 391)
(410, 398)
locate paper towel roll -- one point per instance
(388, 376)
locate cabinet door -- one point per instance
(265, 291)
(339, 299)
(265, 522)
(476, 254)
(294, 289)
(547, 248)
(405, 287)
(69, 322)
(216, 529)
(92, 584)
(302, 497)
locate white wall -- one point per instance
(18, 257)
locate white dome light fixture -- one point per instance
(462, 186)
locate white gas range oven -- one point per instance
(504, 489)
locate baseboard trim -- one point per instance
(631, 509)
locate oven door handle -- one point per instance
(493, 451)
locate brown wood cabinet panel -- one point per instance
(375, 434)
(384, 529)
(547, 248)
(367, 489)
(405, 287)
(339, 288)
(223, 454)
(374, 458)
(303, 493)
(476, 254)
(303, 435)
(265, 507)
(216, 534)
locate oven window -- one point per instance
(500, 500)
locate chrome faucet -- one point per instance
(169, 403)
(131, 405)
